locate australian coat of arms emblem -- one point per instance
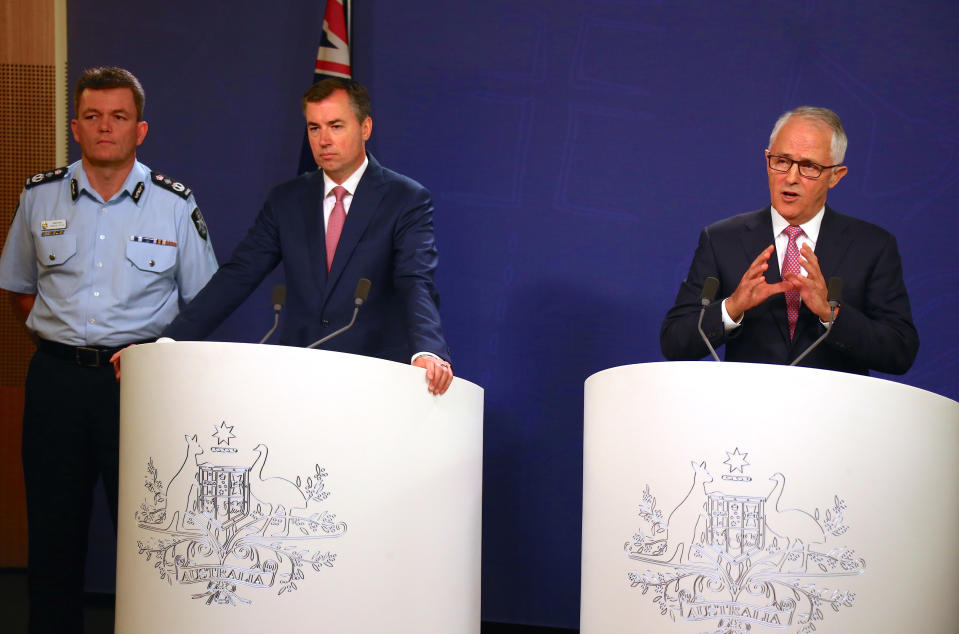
(225, 525)
(742, 563)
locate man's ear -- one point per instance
(837, 175)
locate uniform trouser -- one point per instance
(70, 437)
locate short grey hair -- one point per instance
(824, 116)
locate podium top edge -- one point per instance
(702, 370)
(279, 351)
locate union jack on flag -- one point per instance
(332, 60)
(333, 56)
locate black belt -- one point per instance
(86, 356)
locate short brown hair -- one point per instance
(359, 97)
(104, 77)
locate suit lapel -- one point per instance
(758, 236)
(366, 202)
(833, 243)
(312, 206)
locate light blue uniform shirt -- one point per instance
(105, 273)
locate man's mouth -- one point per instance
(789, 196)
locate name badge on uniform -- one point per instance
(53, 224)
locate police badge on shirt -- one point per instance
(199, 223)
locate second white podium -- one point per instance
(741, 498)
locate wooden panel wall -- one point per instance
(33, 138)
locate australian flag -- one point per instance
(332, 60)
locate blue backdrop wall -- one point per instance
(574, 150)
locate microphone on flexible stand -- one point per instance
(359, 297)
(710, 286)
(834, 297)
(279, 298)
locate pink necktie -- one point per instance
(335, 225)
(791, 265)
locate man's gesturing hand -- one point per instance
(753, 289)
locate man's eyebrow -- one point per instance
(330, 122)
(800, 159)
(92, 110)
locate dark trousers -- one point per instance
(70, 438)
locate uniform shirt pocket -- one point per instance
(153, 258)
(58, 266)
(56, 250)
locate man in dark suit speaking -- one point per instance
(768, 317)
(350, 219)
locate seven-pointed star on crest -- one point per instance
(736, 461)
(224, 433)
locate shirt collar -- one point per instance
(810, 228)
(350, 183)
(138, 174)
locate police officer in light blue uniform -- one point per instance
(105, 273)
(100, 255)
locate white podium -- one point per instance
(742, 498)
(266, 489)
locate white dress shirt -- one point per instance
(329, 200)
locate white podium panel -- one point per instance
(733, 498)
(265, 488)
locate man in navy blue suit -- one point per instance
(385, 222)
(873, 329)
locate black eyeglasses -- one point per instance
(808, 169)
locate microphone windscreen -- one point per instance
(362, 291)
(834, 290)
(710, 286)
(279, 295)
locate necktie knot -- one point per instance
(793, 231)
(339, 192)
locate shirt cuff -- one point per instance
(728, 322)
(425, 354)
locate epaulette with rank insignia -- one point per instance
(169, 184)
(45, 177)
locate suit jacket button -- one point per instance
(325, 322)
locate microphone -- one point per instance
(279, 298)
(362, 292)
(834, 297)
(710, 286)
(359, 298)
